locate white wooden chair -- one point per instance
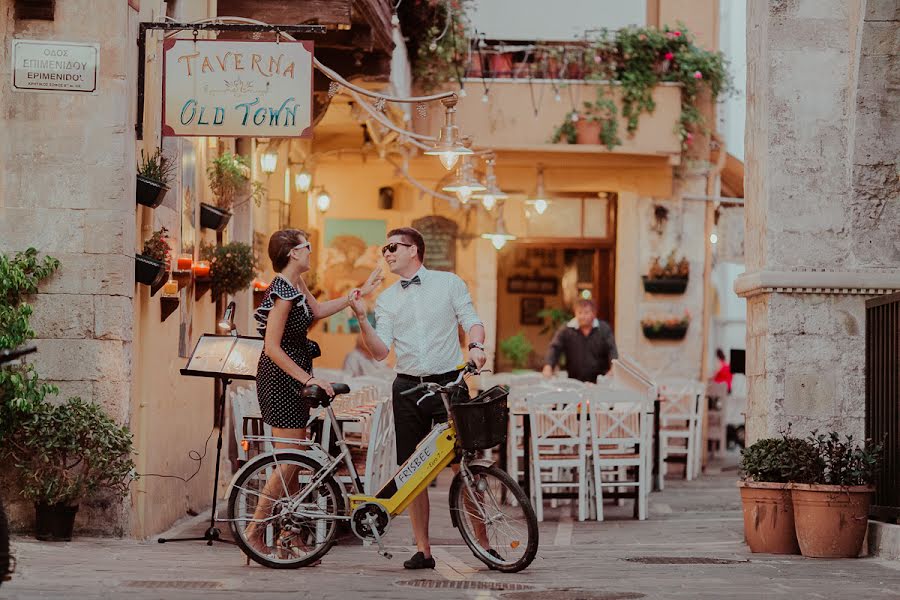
(515, 452)
(716, 433)
(246, 419)
(680, 429)
(558, 445)
(381, 454)
(621, 444)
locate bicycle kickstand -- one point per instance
(372, 522)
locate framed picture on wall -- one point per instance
(529, 309)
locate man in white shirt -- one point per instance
(419, 315)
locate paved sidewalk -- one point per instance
(576, 560)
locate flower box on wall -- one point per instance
(149, 192)
(212, 217)
(149, 271)
(665, 332)
(665, 285)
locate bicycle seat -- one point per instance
(320, 396)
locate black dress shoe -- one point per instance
(418, 561)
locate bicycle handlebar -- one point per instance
(7, 356)
(436, 387)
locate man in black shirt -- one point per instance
(587, 342)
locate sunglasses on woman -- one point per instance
(392, 247)
(301, 246)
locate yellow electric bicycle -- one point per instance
(285, 506)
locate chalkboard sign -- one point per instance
(440, 242)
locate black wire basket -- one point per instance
(481, 422)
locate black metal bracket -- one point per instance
(197, 27)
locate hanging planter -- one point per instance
(212, 217)
(668, 328)
(148, 270)
(665, 285)
(665, 332)
(149, 192)
(154, 174)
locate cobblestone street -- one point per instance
(690, 547)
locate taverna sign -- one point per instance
(231, 88)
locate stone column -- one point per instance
(822, 211)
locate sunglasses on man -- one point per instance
(392, 247)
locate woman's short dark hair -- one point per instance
(280, 245)
(411, 236)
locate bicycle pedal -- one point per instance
(387, 555)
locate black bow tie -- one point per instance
(414, 281)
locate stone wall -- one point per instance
(67, 173)
(823, 140)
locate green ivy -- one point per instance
(436, 61)
(20, 387)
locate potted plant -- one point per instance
(767, 469)
(666, 328)
(64, 453)
(228, 175)
(154, 175)
(232, 267)
(517, 349)
(831, 502)
(151, 265)
(671, 278)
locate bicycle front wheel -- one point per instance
(276, 518)
(500, 534)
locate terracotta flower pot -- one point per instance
(831, 520)
(501, 65)
(588, 131)
(768, 517)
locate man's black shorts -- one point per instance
(412, 422)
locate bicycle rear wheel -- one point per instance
(501, 535)
(269, 522)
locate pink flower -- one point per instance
(669, 56)
(688, 137)
(642, 37)
(598, 59)
(698, 75)
(677, 34)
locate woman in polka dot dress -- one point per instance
(285, 366)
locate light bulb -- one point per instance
(540, 205)
(268, 162)
(498, 241)
(484, 98)
(302, 181)
(448, 159)
(489, 201)
(323, 201)
(432, 46)
(464, 193)
(462, 93)
(713, 238)
(557, 97)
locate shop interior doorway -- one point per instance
(538, 284)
